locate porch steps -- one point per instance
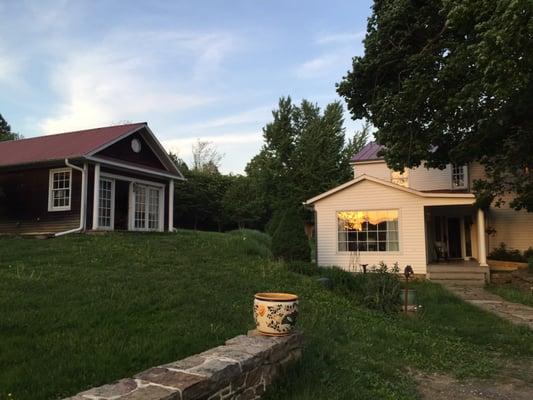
(461, 274)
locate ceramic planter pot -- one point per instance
(275, 313)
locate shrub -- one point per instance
(530, 265)
(382, 288)
(274, 222)
(289, 241)
(528, 254)
(379, 289)
(503, 253)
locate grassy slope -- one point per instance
(512, 294)
(81, 311)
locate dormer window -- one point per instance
(459, 177)
(400, 178)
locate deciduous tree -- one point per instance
(451, 82)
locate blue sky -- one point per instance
(192, 69)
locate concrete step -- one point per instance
(457, 282)
(457, 268)
(457, 275)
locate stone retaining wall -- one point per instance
(240, 370)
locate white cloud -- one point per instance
(253, 117)
(123, 78)
(183, 146)
(321, 66)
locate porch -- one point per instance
(456, 245)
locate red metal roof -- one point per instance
(368, 153)
(61, 145)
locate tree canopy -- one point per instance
(451, 82)
(5, 131)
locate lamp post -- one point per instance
(408, 271)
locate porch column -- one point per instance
(171, 205)
(481, 239)
(463, 238)
(96, 195)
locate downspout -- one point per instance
(83, 202)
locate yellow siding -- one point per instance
(514, 228)
(367, 195)
(419, 178)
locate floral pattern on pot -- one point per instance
(275, 313)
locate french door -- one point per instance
(147, 208)
(106, 204)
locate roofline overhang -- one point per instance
(466, 196)
(375, 161)
(145, 171)
(33, 164)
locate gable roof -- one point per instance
(76, 144)
(388, 184)
(368, 153)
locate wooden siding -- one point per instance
(24, 203)
(122, 151)
(514, 228)
(419, 178)
(368, 195)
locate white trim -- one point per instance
(96, 194)
(51, 173)
(112, 227)
(466, 196)
(133, 168)
(378, 161)
(481, 239)
(171, 205)
(130, 179)
(83, 202)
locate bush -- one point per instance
(382, 288)
(379, 289)
(528, 254)
(502, 253)
(289, 241)
(530, 265)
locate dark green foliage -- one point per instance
(254, 242)
(198, 200)
(528, 253)
(241, 202)
(451, 81)
(5, 131)
(503, 253)
(289, 241)
(274, 222)
(305, 153)
(530, 265)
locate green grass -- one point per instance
(512, 294)
(81, 311)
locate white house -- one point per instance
(421, 217)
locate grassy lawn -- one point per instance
(512, 294)
(81, 311)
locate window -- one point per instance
(59, 192)
(368, 230)
(105, 203)
(400, 178)
(459, 176)
(140, 207)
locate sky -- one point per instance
(210, 70)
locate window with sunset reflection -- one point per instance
(375, 230)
